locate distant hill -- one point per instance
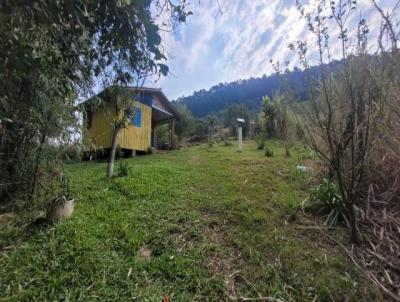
(248, 92)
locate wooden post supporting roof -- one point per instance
(173, 133)
(154, 136)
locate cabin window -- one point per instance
(136, 120)
(89, 119)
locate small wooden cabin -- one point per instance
(152, 108)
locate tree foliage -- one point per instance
(250, 91)
(278, 119)
(234, 112)
(269, 110)
(54, 51)
(185, 125)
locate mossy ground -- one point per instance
(217, 224)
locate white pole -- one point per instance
(240, 138)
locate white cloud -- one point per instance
(213, 47)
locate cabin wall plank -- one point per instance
(132, 137)
(138, 138)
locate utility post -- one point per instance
(240, 122)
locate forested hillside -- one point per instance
(248, 92)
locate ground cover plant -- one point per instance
(202, 223)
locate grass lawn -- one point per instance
(198, 224)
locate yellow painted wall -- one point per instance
(132, 137)
(138, 138)
(101, 132)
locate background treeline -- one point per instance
(249, 92)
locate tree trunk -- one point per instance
(173, 142)
(110, 164)
(37, 162)
(354, 233)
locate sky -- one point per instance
(237, 41)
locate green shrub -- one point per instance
(325, 200)
(269, 152)
(260, 139)
(124, 169)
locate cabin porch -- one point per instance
(161, 117)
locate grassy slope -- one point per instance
(214, 219)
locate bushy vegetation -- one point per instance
(269, 152)
(185, 126)
(163, 135)
(341, 119)
(124, 169)
(260, 139)
(325, 200)
(278, 119)
(190, 129)
(346, 125)
(231, 115)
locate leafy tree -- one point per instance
(269, 110)
(232, 114)
(278, 120)
(163, 134)
(53, 51)
(200, 128)
(249, 91)
(118, 103)
(185, 125)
